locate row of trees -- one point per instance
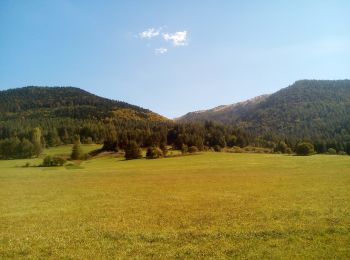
(14, 148)
(117, 136)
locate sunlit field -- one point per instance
(216, 205)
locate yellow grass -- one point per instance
(211, 205)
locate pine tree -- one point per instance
(77, 152)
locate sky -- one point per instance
(173, 57)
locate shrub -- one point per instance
(58, 161)
(217, 148)
(132, 151)
(331, 151)
(47, 161)
(289, 151)
(184, 149)
(27, 164)
(88, 140)
(50, 161)
(305, 148)
(193, 149)
(281, 147)
(164, 149)
(154, 153)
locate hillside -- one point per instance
(66, 102)
(224, 113)
(61, 114)
(315, 109)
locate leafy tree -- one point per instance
(132, 151)
(281, 147)
(36, 140)
(154, 153)
(164, 149)
(305, 148)
(111, 138)
(26, 148)
(53, 138)
(320, 147)
(9, 148)
(232, 140)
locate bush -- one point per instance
(50, 161)
(281, 147)
(305, 148)
(27, 164)
(193, 149)
(154, 153)
(47, 161)
(132, 151)
(331, 151)
(88, 140)
(58, 161)
(184, 149)
(217, 148)
(289, 151)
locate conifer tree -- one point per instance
(77, 152)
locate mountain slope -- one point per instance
(224, 113)
(317, 109)
(66, 102)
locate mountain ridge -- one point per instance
(64, 102)
(305, 109)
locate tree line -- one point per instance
(115, 136)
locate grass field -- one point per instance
(210, 205)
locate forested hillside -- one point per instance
(35, 117)
(32, 118)
(62, 113)
(65, 102)
(309, 109)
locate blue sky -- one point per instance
(200, 54)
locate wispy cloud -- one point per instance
(177, 38)
(149, 33)
(160, 51)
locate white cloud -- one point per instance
(177, 38)
(160, 51)
(150, 33)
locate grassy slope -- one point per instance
(207, 205)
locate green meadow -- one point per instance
(208, 205)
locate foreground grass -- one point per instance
(208, 205)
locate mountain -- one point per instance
(224, 113)
(63, 113)
(66, 102)
(308, 109)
